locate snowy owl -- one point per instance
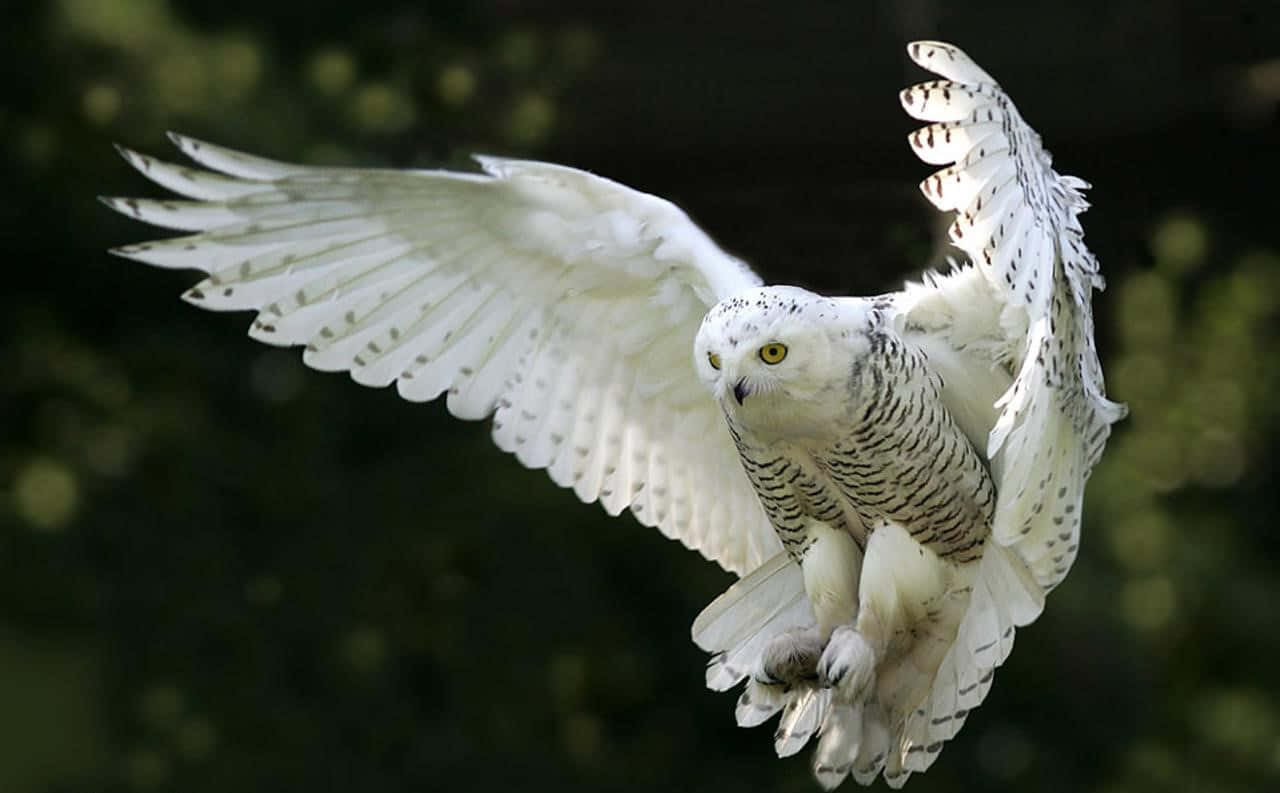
(896, 479)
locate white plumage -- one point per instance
(897, 479)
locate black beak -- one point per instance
(740, 390)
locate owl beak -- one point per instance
(741, 390)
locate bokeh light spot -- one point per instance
(581, 734)
(331, 71)
(1217, 458)
(124, 24)
(101, 103)
(567, 678)
(1148, 603)
(578, 46)
(196, 739)
(1157, 453)
(1154, 762)
(1147, 311)
(45, 494)
(1141, 541)
(379, 107)
(110, 450)
(180, 81)
(518, 50)
(1239, 720)
(1141, 378)
(364, 649)
(161, 706)
(530, 120)
(1180, 243)
(237, 65)
(456, 85)
(147, 769)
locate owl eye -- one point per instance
(714, 360)
(773, 352)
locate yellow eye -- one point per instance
(714, 360)
(773, 352)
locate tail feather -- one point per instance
(840, 745)
(924, 690)
(874, 750)
(759, 703)
(998, 604)
(855, 742)
(736, 625)
(804, 714)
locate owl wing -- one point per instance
(563, 304)
(1012, 334)
(1018, 220)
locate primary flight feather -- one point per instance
(897, 479)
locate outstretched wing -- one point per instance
(562, 303)
(1013, 335)
(1017, 219)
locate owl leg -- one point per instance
(790, 658)
(848, 663)
(900, 582)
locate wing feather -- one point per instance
(1012, 335)
(561, 303)
(1017, 219)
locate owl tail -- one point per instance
(737, 626)
(932, 707)
(924, 691)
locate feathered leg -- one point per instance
(790, 658)
(902, 589)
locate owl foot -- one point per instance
(790, 658)
(848, 664)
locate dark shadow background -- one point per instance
(221, 572)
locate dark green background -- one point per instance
(222, 572)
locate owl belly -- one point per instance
(814, 523)
(909, 464)
(797, 497)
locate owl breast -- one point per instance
(901, 458)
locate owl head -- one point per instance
(779, 359)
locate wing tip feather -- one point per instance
(129, 207)
(183, 142)
(136, 159)
(195, 296)
(125, 252)
(124, 151)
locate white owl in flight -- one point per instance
(898, 479)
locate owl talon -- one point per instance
(848, 664)
(790, 658)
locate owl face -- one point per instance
(774, 358)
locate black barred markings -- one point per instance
(905, 460)
(791, 496)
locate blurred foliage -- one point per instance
(222, 572)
